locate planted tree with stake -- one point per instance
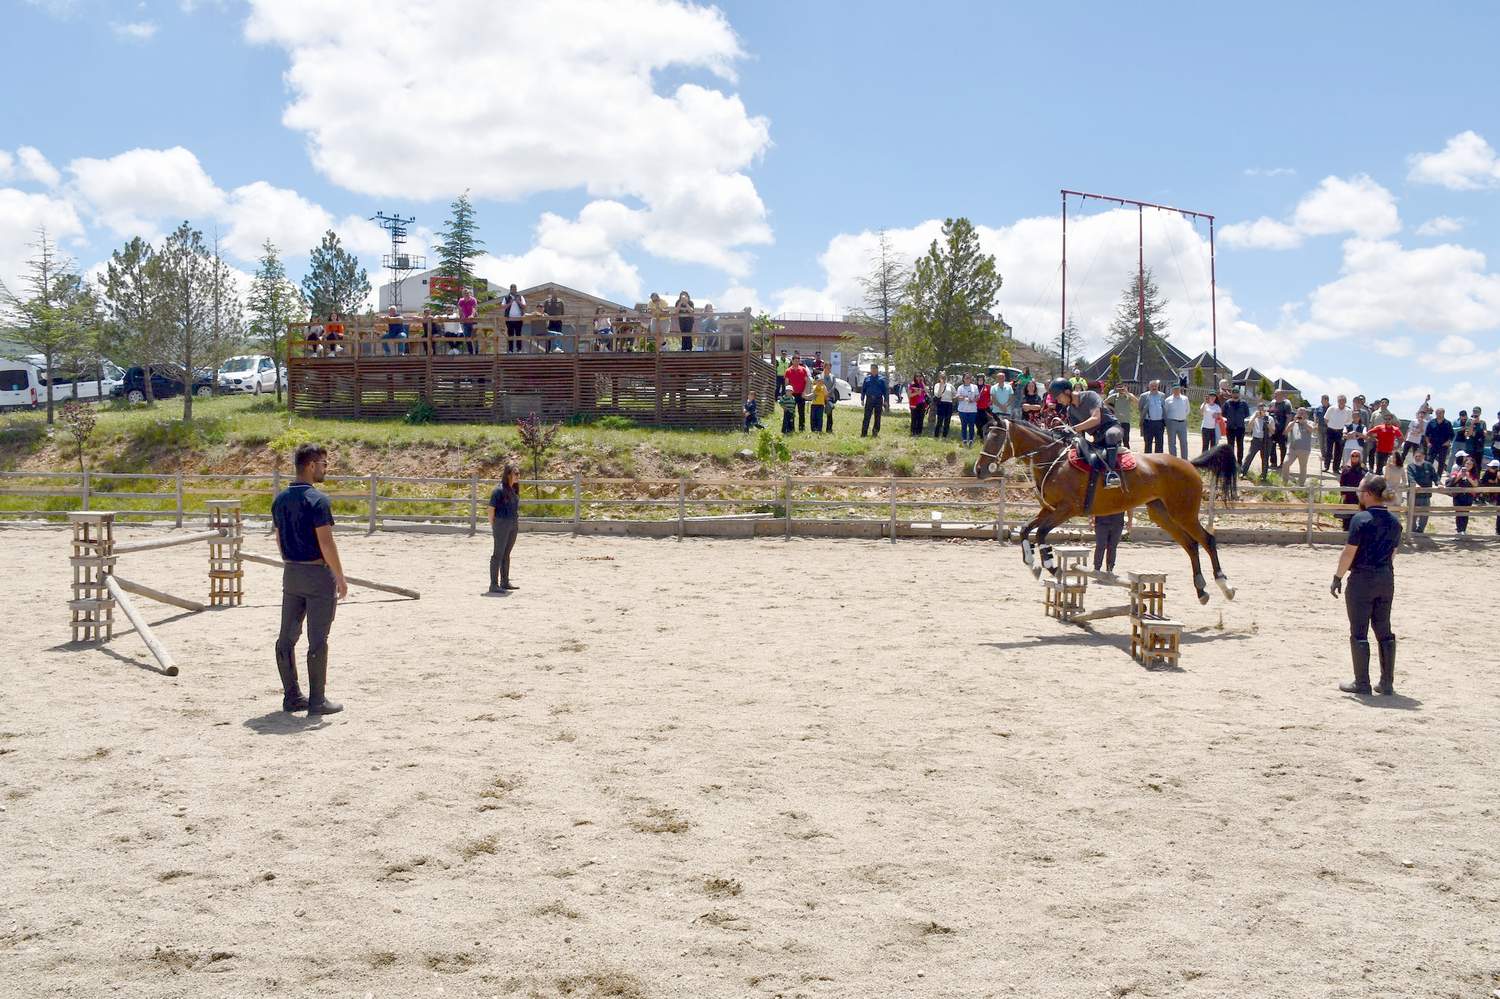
(537, 438)
(274, 302)
(132, 322)
(48, 314)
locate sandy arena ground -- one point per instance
(750, 768)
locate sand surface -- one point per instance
(750, 768)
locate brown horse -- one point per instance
(1167, 486)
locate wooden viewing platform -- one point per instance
(357, 369)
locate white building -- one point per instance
(417, 288)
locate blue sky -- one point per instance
(746, 152)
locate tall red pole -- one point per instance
(1140, 247)
(1213, 296)
(1062, 333)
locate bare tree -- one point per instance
(184, 276)
(49, 314)
(884, 288)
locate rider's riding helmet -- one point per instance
(1059, 386)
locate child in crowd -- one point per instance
(1108, 529)
(819, 400)
(1461, 481)
(788, 404)
(752, 413)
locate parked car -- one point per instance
(842, 390)
(78, 380)
(20, 385)
(249, 373)
(164, 384)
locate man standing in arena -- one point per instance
(312, 582)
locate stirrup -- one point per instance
(1112, 480)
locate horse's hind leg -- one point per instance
(1188, 519)
(1158, 512)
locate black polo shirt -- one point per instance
(298, 512)
(507, 503)
(1377, 532)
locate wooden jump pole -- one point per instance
(172, 542)
(157, 595)
(351, 580)
(139, 623)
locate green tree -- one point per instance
(226, 310)
(1127, 321)
(457, 247)
(274, 302)
(49, 314)
(335, 284)
(131, 321)
(944, 317)
(1069, 345)
(183, 276)
(884, 289)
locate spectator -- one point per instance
(1363, 415)
(710, 328)
(1416, 430)
(1176, 411)
(314, 339)
(1108, 529)
(1387, 436)
(1354, 439)
(872, 392)
(1153, 417)
(1319, 412)
(1260, 433)
(1024, 379)
(1464, 440)
(603, 329)
(1002, 397)
(333, 333)
(796, 381)
(1490, 479)
(553, 306)
(982, 407)
(468, 310)
(1350, 478)
(819, 401)
(1479, 428)
(1209, 412)
(1421, 473)
(942, 397)
(1032, 403)
(1080, 383)
(967, 395)
(831, 386)
(788, 404)
(1438, 436)
(916, 398)
(1281, 415)
(752, 412)
(1119, 399)
(817, 362)
(782, 363)
(1395, 473)
(1236, 413)
(514, 307)
(1461, 481)
(1300, 433)
(684, 310)
(661, 321)
(1335, 422)
(395, 329)
(505, 524)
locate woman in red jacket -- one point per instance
(916, 398)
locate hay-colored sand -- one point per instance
(750, 768)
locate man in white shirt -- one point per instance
(1334, 422)
(1153, 405)
(1176, 411)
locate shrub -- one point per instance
(771, 448)
(615, 423)
(288, 440)
(421, 412)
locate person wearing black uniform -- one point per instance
(312, 583)
(1374, 534)
(505, 524)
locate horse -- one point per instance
(1167, 486)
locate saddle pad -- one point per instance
(1126, 461)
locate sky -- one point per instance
(749, 152)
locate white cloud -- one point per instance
(1400, 346)
(135, 31)
(7, 165)
(1437, 289)
(1270, 172)
(1441, 225)
(132, 193)
(34, 166)
(1466, 163)
(1313, 384)
(575, 107)
(57, 8)
(22, 213)
(1355, 205)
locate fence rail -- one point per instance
(895, 507)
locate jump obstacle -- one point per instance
(98, 589)
(1153, 636)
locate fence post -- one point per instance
(179, 499)
(1000, 526)
(681, 508)
(87, 476)
(374, 499)
(1311, 492)
(891, 485)
(473, 502)
(577, 500)
(1411, 513)
(786, 505)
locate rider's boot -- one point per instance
(1111, 477)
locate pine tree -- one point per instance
(1127, 321)
(274, 302)
(227, 311)
(183, 276)
(945, 318)
(457, 248)
(335, 283)
(131, 318)
(884, 288)
(49, 315)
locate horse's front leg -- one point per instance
(1028, 551)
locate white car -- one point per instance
(248, 373)
(843, 389)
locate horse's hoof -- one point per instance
(1224, 587)
(1203, 596)
(1036, 572)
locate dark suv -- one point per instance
(164, 384)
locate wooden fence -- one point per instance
(775, 505)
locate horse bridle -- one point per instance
(1000, 458)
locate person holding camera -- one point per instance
(1369, 561)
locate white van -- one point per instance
(20, 385)
(77, 380)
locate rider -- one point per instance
(1086, 413)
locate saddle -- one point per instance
(1125, 461)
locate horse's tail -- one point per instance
(1219, 461)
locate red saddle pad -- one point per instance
(1126, 461)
